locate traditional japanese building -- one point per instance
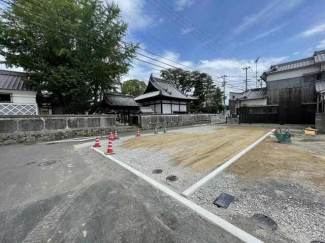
(163, 97)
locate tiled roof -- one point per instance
(120, 100)
(147, 95)
(319, 56)
(13, 80)
(146, 110)
(164, 88)
(320, 86)
(254, 94)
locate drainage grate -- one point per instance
(46, 163)
(172, 178)
(157, 171)
(265, 222)
(223, 200)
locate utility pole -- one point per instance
(256, 61)
(224, 89)
(246, 80)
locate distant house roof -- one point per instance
(318, 57)
(13, 81)
(320, 86)
(119, 100)
(146, 110)
(163, 88)
(254, 94)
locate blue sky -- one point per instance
(274, 30)
(227, 34)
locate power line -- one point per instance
(192, 26)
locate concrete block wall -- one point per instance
(19, 129)
(150, 121)
(320, 122)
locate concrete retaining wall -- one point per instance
(19, 129)
(320, 122)
(150, 121)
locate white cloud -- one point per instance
(182, 4)
(321, 44)
(274, 9)
(216, 67)
(187, 30)
(314, 31)
(133, 11)
(296, 53)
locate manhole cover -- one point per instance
(31, 163)
(46, 163)
(172, 178)
(265, 222)
(223, 200)
(157, 171)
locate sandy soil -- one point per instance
(204, 151)
(272, 159)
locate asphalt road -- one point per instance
(54, 193)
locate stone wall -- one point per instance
(320, 122)
(19, 129)
(151, 121)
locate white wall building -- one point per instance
(16, 98)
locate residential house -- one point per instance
(163, 97)
(16, 97)
(232, 102)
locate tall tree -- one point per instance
(133, 87)
(71, 48)
(180, 77)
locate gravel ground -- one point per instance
(146, 160)
(294, 203)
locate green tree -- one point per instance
(180, 77)
(133, 87)
(71, 48)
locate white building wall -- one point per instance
(259, 102)
(22, 103)
(293, 73)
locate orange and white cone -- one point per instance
(97, 144)
(111, 137)
(138, 133)
(116, 136)
(110, 148)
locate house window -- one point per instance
(5, 98)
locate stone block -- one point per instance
(31, 125)
(8, 126)
(93, 122)
(54, 124)
(76, 122)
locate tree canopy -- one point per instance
(210, 97)
(71, 48)
(133, 87)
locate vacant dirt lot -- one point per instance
(283, 181)
(202, 150)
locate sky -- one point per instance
(220, 37)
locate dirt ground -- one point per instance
(282, 181)
(272, 159)
(202, 151)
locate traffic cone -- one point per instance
(97, 144)
(111, 137)
(138, 133)
(116, 136)
(110, 148)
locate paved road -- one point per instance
(54, 193)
